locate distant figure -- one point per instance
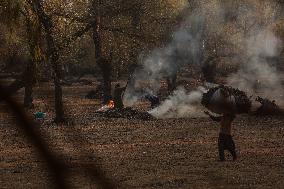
(225, 140)
(155, 101)
(118, 95)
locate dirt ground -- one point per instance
(172, 153)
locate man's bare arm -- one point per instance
(214, 118)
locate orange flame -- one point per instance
(110, 104)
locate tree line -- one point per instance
(43, 40)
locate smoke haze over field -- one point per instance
(241, 31)
(257, 72)
(164, 62)
(259, 53)
(180, 104)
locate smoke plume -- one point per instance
(238, 32)
(258, 73)
(165, 62)
(180, 104)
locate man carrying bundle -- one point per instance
(225, 140)
(228, 102)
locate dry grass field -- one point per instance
(172, 153)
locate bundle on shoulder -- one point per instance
(224, 99)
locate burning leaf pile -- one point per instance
(108, 106)
(223, 99)
(127, 113)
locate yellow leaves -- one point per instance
(37, 53)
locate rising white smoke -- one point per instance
(258, 73)
(242, 29)
(164, 62)
(180, 104)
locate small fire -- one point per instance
(108, 106)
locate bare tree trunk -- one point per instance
(106, 71)
(33, 33)
(14, 87)
(104, 64)
(19, 83)
(29, 82)
(25, 81)
(54, 56)
(28, 99)
(171, 81)
(209, 69)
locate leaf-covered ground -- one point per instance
(172, 153)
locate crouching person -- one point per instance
(225, 140)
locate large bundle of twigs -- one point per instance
(224, 99)
(268, 107)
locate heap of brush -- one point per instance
(268, 107)
(127, 113)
